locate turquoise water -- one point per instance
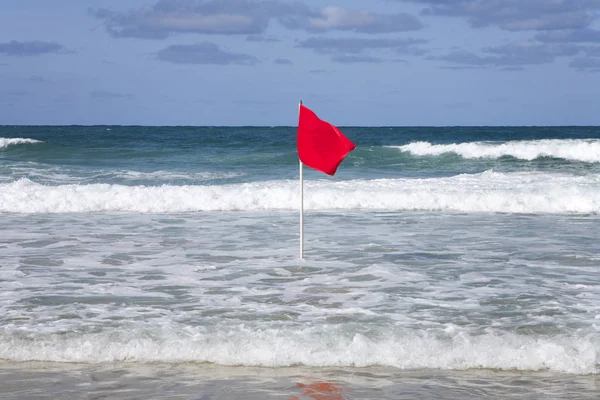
(465, 258)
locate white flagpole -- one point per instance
(301, 201)
(301, 212)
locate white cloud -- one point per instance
(340, 18)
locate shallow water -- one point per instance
(402, 290)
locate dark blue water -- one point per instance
(269, 153)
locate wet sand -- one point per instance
(34, 380)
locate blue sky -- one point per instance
(244, 62)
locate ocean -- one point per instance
(163, 262)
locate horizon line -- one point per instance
(295, 126)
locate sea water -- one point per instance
(163, 262)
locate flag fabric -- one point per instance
(321, 145)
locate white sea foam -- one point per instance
(585, 150)
(321, 346)
(447, 292)
(485, 192)
(5, 142)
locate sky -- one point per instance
(246, 62)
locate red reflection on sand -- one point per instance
(320, 391)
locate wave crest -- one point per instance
(5, 142)
(485, 192)
(318, 347)
(583, 150)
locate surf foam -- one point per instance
(5, 142)
(484, 192)
(316, 346)
(584, 150)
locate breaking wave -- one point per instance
(583, 150)
(5, 142)
(312, 346)
(484, 192)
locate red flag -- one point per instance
(321, 145)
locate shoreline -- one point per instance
(40, 380)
